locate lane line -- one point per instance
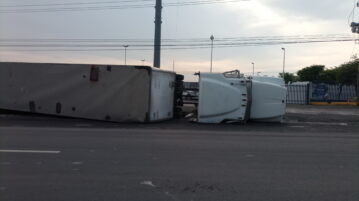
(29, 151)
(319, 123)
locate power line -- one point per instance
(228, 45)
(75, 9)
(144, 42)
(92, 8)
(177, 40)
(74, 3)
(167, 45)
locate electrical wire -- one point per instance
(165, 45)
(174, 47)
(27, 43)
(109, 7)
(177, 40)
(74, 3)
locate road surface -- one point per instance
(43, 159)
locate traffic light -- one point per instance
(355, 27)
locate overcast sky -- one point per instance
(241, 19)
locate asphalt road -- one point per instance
(153, 162)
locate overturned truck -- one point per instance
(101, 92)
(231, 96)
(135, 93)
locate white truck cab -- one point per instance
(230, 96)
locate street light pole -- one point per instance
(283, 61)
(253, 68)
(212, 38)
(173, 65)
(125, 46)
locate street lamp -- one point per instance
(253, 68)
(283, 60)
(212, 38)
(125, 46)
(173, 65)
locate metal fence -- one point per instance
(319, 92)
(298, 94)
(330, 92)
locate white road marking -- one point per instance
(148, 183)
(297, 126)
(320, 123)
(29, 151)
(83, 125)
(328, 123)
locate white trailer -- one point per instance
(101, 92)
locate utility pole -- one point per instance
(212, 38)
(157, 45)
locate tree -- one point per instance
(311, 73)
(329, 76)
(288, 77)
(347, 72)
